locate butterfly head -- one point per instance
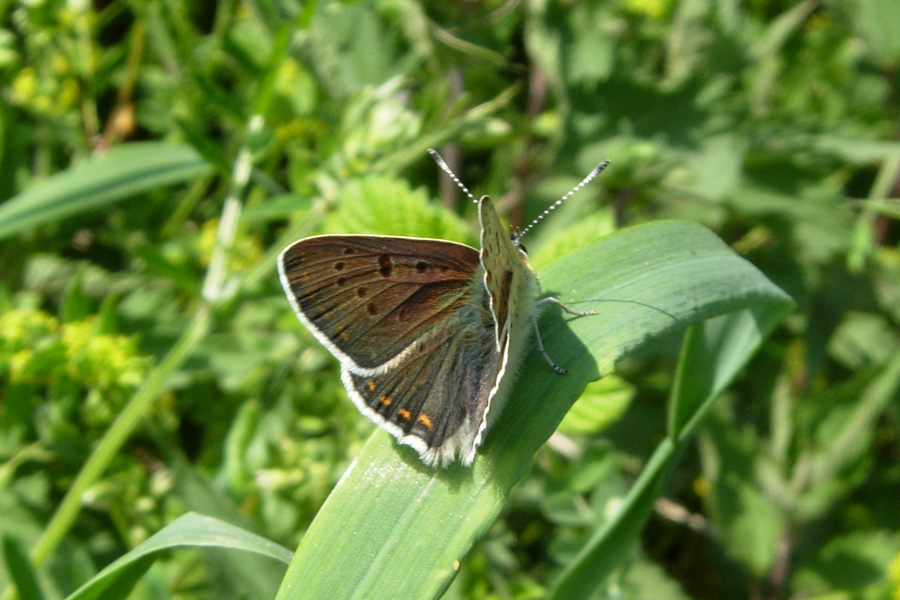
(515, 236)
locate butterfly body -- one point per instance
(429, 333)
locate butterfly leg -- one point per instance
(540, 343)
(537, 331)
(559, 303)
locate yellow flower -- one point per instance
(35, 349)
(24, 85)
(702, 487)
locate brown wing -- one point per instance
(368, 298)
(435, 400)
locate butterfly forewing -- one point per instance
(368, 298)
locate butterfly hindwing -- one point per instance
(512, 288)
(498, 258)
(434, 400)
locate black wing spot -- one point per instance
(384, 262)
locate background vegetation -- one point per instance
(157, 155)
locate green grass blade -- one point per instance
(116, 175)
(20, 570)
(613, 542)
(713, 353)
(712, 356)
(394, 528)
(116, 580)
(253, 575)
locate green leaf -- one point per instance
(877, 22)
(650, 580)
(252, 575)
(712, 356)
(122, 172)
(749, 522)
(20, 570)
(75, 303)
(781, 28)
(352, 48)
(394, 528)
(601, 403)
(713, 352)
(855, 150)
(117, 580)
(852, 562)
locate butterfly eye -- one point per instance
(516, 238)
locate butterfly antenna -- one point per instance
(596, 171)
(443, 165)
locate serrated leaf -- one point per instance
(381, 205)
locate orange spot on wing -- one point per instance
(371, 385)
(342, 331)
(385, 400)
(426, 421)
(404, 413)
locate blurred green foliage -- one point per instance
(126, 127)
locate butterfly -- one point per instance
(429, 333)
